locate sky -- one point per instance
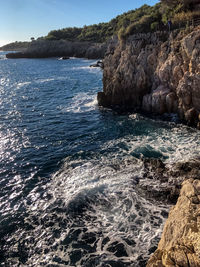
(22, 19)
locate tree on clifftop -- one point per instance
(186, 4)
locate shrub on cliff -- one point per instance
(122, 34)
(143, 19)
(186, 4)
(133, 21)
(183, 17)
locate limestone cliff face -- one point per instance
(157, 73)
(180, 241)
(44, 48)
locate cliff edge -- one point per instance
(155, 73)
(180, 241)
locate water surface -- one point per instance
(68, 169)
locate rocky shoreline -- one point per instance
(163, 182)
(61, 48)
(180, 241)
(159, 74)
(156, 73)
(177, 184)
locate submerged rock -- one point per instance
(180, 241)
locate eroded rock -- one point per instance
(157, 73)
(180, 241)
(163, 182)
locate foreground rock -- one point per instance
(180, 241)
(61, 48)
(157, 73)
(162, 182)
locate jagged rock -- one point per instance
(171, 103)
(98, 64)
(180, 241)
(156, 101)
(157, 73)
(163, 182)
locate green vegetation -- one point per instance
(127, 23)
(181, 4)
(92, 33)
(144, 19)
(15, 46)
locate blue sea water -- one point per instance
(68, 196)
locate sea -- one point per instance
(68, 169)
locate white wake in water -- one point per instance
(82, 102)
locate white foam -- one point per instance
(22, 84)
(3, 57)
(105, 185)
(87, 68)
(45, 80)
(93, 103)
(176, 142)
(81, 102)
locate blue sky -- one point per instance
(22, 19)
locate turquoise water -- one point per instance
(68, 169)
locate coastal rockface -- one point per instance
(61, 48)
(156, 73)
(180, 241)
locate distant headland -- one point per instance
(151, 64)
(141, 20)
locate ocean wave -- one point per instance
(82, 102)
(71, 173)
(22, 84)
(175, 142)
(99, 215)
(87, 68)
(45, 80)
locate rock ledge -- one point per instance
(180, 241)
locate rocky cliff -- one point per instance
(180, 241)
(60, 48)
(156, 73)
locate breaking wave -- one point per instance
(70, 171)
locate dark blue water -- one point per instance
(67, 173)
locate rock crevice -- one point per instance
(180, 241)
(156, 73)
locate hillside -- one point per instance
(141, 20)
(15, 46)
(101, 32)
